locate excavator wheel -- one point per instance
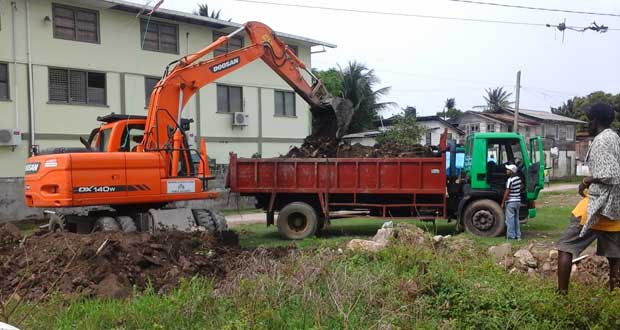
(57, 222)
(211, 221)
(106, 224)
(127, 224)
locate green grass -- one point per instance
(550, 223)
(242, 211)
(339, 232)
(401, 287)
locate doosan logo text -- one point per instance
(225, 65)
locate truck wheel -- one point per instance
(106, 224)
(127, 224)
(213, 221)
(297, 220)
(484, 217)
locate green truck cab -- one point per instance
(477, 192)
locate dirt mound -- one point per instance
(112, 264)
(325, 147)
(10, 235)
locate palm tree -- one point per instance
(357, 85)
(497, 99)
(203, 10)
(450, 103)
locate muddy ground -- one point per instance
(113, 264)
(325, 147)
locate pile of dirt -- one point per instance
(326, 147)
(541, 259)
(10, 235)
(113, 264)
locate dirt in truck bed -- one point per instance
(327, 147)
(112, 264)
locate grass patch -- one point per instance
(242, 211)
(339, 232)
(401, 287)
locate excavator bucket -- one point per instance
(332, 118)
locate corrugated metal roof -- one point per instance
(201, 20)
(548, 116)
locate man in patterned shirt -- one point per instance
(597, 216)
(512, 202)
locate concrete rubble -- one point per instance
(541, 260)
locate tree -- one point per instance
(332, 79)
(203, 10)
(450, 111)
(575, 107)
(497, 99)
(358, 84)
(405, 130)
(410, 111)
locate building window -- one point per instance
(473, 128)
(149, 85)
(285, 104)
(229, 99)
(79, 87)
(490, 127)
(160, 37)
(295, 49)
(429, 136)
(75, 23)
(234, 43)
(570, 132)
(562, 132)
(4, 81)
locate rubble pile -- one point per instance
(326, 147)
(539, 259)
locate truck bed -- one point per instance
(385, 186)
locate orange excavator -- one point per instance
(133, 168)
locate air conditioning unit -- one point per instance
(10, 137)
(240, 119)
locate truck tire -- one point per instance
(106, 224)
(484, 217)
(297, 220)
(127, 224)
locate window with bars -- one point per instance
(285, 104)
(77, 24)
(77, 87)
(229, 99)
(4, 81)
(159, 37)
(149, 85)
(234, 43)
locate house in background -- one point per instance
(434, 126)
(558, 134)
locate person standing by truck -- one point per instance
(597, 216)
(512, 202)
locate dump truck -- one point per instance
(306, 193)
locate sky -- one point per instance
(425, 61)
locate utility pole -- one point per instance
(515, 126)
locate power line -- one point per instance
(536, 8)
(361, 11)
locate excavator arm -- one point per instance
(331, 115)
